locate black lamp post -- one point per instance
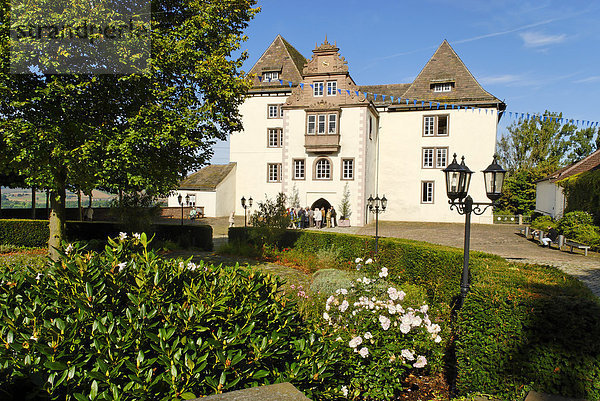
(245, 206)
(377, 206)
(187, 202)
(458, 178)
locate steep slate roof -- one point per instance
(592, 162)
(208, 178)
(282, 57)
(446, 66)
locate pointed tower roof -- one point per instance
(280, 57)
(446, 67)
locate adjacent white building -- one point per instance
(310, 129)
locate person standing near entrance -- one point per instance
(232, 219)
(323, 217)
(333, 215)
(328, 218)
(317, 217)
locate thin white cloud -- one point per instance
(501, 79)
(537, 39)
(594, 78)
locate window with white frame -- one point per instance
(427, 191)
(322, 124)
(435, 125)
(435, 157)
(270, 76)
(275, 137)
(323, 169)
(442, 87)
(441, 157)
(318, 89)
(311, 123)
(347, 169)
(299, 169)
(274, 111)
(332, 119)
(331, 88)
(273, 172)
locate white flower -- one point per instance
(438, 339)
(345, 391)
(391, 309)
(408, 355)
(401, 295)
(421, 362)
(383, 272)
(368, 335)
(385, 322)
(355, 342)
(191, 266)
(122, 236)
(368, 261)
(392, 293)
(39, 276)
(33, 337)
(121, 266)
(424, 308)
(69, 249)
(434, 328)
(342, 291)
(338, 338)
(357, 260)
(325, 315)
(404, 328)
(137, 235)
(344, 306)
(364, 352)
(366, 280)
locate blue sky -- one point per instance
(534, 55)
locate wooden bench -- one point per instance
(573, 244)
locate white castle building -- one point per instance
(310, 129)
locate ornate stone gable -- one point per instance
(326, 65)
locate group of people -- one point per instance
(307, 218)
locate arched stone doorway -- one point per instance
(321, 203)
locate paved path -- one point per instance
(503, 240)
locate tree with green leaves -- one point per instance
(582, 143)
(344, 207)
(121, 131)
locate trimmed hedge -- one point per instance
(32, 233)
(522, 327)
(528, 327)
(35, 233)
(437, 268)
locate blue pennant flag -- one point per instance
(366, 94)
(527, 116)
(407, 100)
(290, 82)
(301, 85)
(430, 104)
(438, 106)
(422, 103)
(383, 98)
(340, 91)
(311, 85)
(348, 90)
(415, 102)
(356, 93)
(392, 98)
(453, 107)
(458, 106)
(510, 114)
(259, 78)
(577, 123)
(445, 106)
(374, 97)
(281, 82)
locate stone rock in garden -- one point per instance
(274, 392)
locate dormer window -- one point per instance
(331, 88)
(270, 76)
(442, 87)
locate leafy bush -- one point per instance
(31, 233)
(386, 338)
(271, 213)
(569, 223)
(528, 327)
(137, 211)
(126, 324)
(543, 222)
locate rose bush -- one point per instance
(386, 335)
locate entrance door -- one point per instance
(321, 203)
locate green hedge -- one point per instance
(437, 268)
(32, 233)
(528, 327)
(35, 233)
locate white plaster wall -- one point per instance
(206, 199)
(471, 133)
(225, 199)
(549, 199)
(249, 150)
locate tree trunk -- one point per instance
(57, 218)
(47, 203)
(79, 204)
(0, 201)
(33, 203)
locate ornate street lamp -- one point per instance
(377, 205)
(458, 178)
(187, 202)
(245, 206)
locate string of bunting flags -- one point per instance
(438, 106)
